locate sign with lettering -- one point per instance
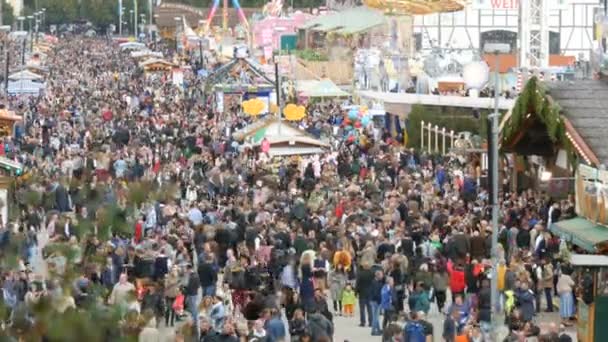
(514, 4)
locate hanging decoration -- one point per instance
(294, 112)
(533, 101)
(253, 107)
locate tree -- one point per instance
(60, 11)
(7, 14)
(99, 12)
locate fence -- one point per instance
(446, 137)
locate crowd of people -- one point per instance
(151, 209)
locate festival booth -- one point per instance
(591, 271)
(238, 80)
(589, 230)
(283, 139)
(156, 65)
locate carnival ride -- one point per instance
(237, 7)
(416, 7)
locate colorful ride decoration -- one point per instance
(253, 107)
(236, 5)
(294, 112)
(416, 7)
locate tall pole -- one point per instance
(494, 169)
(225, 16)
(200, 51)
(7, 63)
(605, 14)
(277, 84)
(135, 18)
(150, 19)
(120, 17)
(23, 52)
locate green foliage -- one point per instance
(7, 13)
(452, 118)
(311, 55)
(533, 100)
(57, 11)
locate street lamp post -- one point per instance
(476, 76)
(43, 19)
(135, 19)
(131, 12)
(120, 11)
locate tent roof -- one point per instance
(146, 53)
(349, 21)
(226, 76)
(155, 61)
(322, 88)
(581, 232)
(269, 128)
(584, 103)
(132, 46)
(24, 75)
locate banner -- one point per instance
(514, 4)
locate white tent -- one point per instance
(24, 75)
(25, 87)
(132, 46)
(146, 54)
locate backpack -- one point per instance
(414, 332)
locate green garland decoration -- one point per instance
(533, 100)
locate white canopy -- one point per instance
(132, 46)
(24, 75)
(146, 54)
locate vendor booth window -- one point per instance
(602, 282)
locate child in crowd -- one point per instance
(348, 301)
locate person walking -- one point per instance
(565, 284)
(337, 282)
(172, 285)
(363, 285)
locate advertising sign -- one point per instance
(514, 4)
